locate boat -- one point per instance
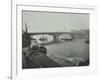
(86, 41)
(65, 39)
(43, 38)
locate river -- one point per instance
(75, 48)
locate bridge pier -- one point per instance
(56, 38)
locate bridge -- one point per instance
(54, 34)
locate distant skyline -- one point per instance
(54, 22)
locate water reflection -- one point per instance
(43, 38)
(65, 37)
(49, 38)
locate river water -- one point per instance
(75, 48)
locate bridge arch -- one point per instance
(55, 35)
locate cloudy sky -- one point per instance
(52, 22)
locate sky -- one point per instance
(54, 22)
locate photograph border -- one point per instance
(14, 70)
